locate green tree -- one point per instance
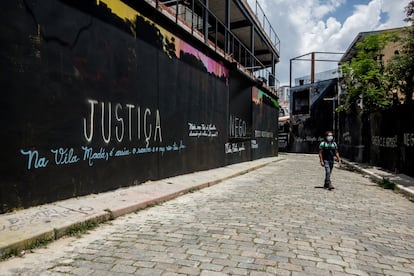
(364, 75)
(400, 70)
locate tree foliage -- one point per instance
(400, 70)
(364, 75)
(409, 11)
(369, 84)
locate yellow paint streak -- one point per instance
(120, 9)
(129, 14)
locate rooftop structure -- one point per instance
(312, 58)
(352, 49)
(233, 30)
(320, 76)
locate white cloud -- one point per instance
(396, 13)
(305, 26)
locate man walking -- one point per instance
(328, 150)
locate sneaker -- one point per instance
(331, 187)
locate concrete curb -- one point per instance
(409, 193)
(123, 201)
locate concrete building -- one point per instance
(284, 99)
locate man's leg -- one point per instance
(331, 165)
(327, 174)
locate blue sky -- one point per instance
(304, 26)
(345, 10)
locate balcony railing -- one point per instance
(219, 38)
(267, 27)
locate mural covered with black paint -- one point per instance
(238, 148)
(97, 96)
(383, 138)
(312, 115)
(265, 135)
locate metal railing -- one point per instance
(267, 27)
(219, 37)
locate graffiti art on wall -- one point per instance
(258, 96)
(311, 139)
(109, 102)
(237, 130)
(237, 127)
(409, 139)
(202, 130)
(263, 134)
(130, 121)
(347, 138)
(255, 145)
(172, 45)
(265, 123)
(234, 147)
(67, 156)
(386, 142)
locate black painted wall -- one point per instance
(91, 102)
(384, 139)
(354, 144)
(238, 147)
(309, 125)
(265, 125)
(392, 139)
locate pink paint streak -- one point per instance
(212, 66)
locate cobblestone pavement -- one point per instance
(276, 220)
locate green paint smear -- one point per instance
(275, 102)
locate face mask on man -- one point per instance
(329, 138)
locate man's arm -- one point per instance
(321, 158)
(338, 157)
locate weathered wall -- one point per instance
(265, 126)
(384, 139)
(96, 97)
(352, 142)
(392, 139)
(311, 119)
(238, 147)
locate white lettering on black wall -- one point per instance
(237, 127)
(117, 117)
